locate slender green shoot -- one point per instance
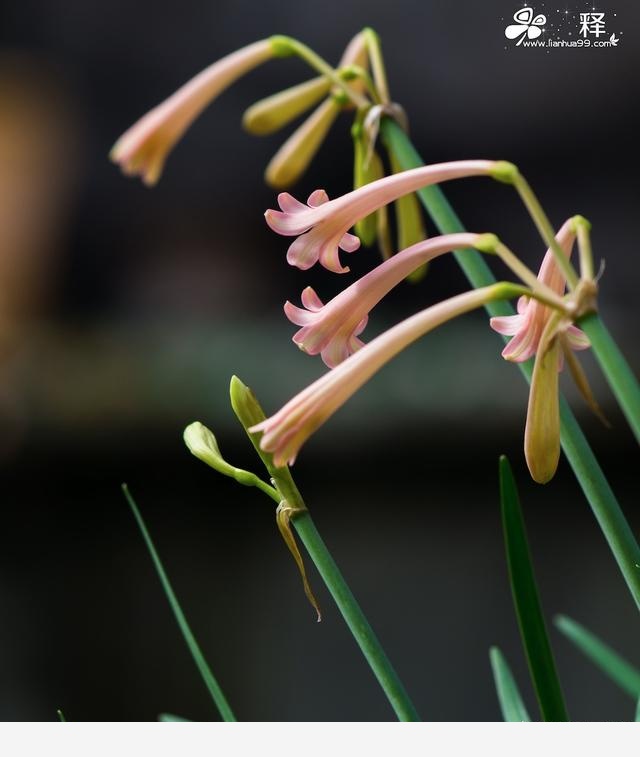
(613, 665)
(61, 716)
(511, 704)
(533, 630)
(210, 682)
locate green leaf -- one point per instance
(619, 670)
(638, 712)
(166, 717)
(588, 472)
(527, 602)
(511, 704)
(61, 716)
(212, 685)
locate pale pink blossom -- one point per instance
(332, 329)
(286, 431)
(322, 226)
(527, 326)
(143, 149)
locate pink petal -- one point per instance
(317, 197)
(521, 347)
(297, 315)
(361, 326)
(336, 352)
(303, 253)
(330, 258)
(300, 336)
(287, 224)
(508, 325)
(577, 338)
(349, 242)
(311, 300)
(521, 307)
(289, 204)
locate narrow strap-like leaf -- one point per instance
(212, 685)
(619, 670)
(599, 494)
(61, 716)
(511, 704)
(527, 602)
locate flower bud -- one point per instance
(202, 443)
(272, 113)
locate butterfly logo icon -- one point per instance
(527, 25)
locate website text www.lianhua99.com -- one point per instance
(567, 43)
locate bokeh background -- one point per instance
(125, 311)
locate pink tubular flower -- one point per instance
(322, 226)
(527, 326)
(286, 431)
(332, 329)
(143, 149)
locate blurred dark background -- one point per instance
(125, 311)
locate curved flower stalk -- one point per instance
(322, 225)
(332, 329)
(286, 431)
(295, 155)
(143, 149)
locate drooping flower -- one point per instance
(332, 329)
(286, 431)
(538, 330)
(527, 326)
(322, 226)
(143, 149)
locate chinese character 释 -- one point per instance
(592, 23)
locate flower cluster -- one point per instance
(543, 327)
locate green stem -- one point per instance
(355, 618)
(377, 64)
(294, 47)
(576, 448)
(615, 368)
(250, 413)
(545, 228)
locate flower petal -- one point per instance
(330, 258)
(577, 338)
(311, 300)
(317, 197)
(297, 315)
(349, 242)
(289, 204)
(303, 253)
(508, 325)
